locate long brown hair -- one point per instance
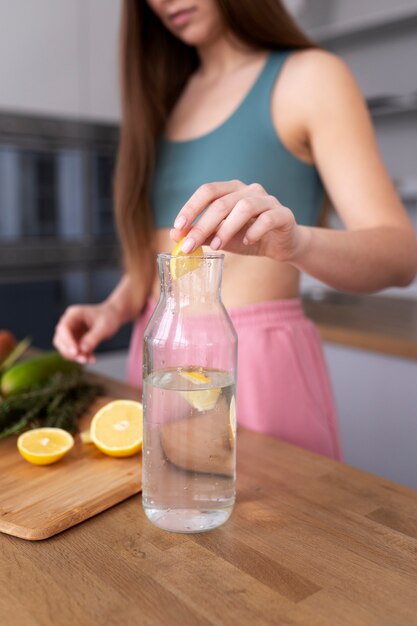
(155, 66)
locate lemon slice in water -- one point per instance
(200, 399)
(232, 422)
(182, 263)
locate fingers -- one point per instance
(64, 343)
(70, 332)
(235, 214)
(93, 337)
(278, 218)
(228, 216)
(201, 199)
(243, 213)
(65, 339)
(210, 222)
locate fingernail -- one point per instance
(81, 359)
(245, 241)
(188, 245)
(216, 243)
(180, 222)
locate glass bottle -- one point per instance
(189, 376)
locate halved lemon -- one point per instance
(200, 399)
(117, 428)
(182, 263)
(43, 446)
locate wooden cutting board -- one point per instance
(39, 502)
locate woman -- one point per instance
(232, 115)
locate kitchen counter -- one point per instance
(311, 542)
(377, 323)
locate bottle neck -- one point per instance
(193, 280)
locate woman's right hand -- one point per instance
(82, 327)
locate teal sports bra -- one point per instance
(244, 147)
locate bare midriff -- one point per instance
(246, 279)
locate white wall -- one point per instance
(59, 57)
(101, 93)
(316, 13)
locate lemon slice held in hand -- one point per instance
(182, 263)
(117, 428)
(43, 446)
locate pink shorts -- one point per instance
(283, 387)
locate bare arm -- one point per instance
(378, 247)
(127, 299)
(83, 327)
(362, 260)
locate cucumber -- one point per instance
(35, 371)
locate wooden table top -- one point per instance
(310, 542)
(377, 323)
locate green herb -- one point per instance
(68, 407)
(59, 403)
(15, 428)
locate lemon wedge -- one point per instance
(85, 436)
(198, 378)
(200, 399)
(43, 446)
(181, 263)
(117, 428)
(232, 422)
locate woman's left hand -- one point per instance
(238, 218)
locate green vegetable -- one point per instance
(34, 371)
(15, 354)
(58, 403)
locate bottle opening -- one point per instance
(210, 256)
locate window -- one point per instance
(57, 237)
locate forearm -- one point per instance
(128, 298)
(358, 261)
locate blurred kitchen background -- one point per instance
(59, 116)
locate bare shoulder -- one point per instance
(314, 89)
(318, 80)
(315, 66)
